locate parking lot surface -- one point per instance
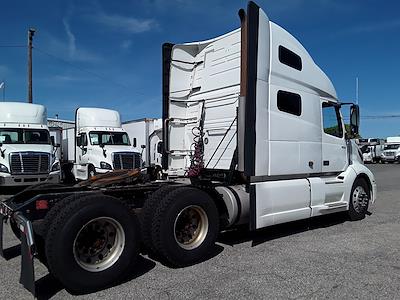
(329, 257)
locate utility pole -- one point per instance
(3, 87)
(31, 33)
(357, 90)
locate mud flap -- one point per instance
(27, 278)
(2, 220)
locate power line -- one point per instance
(12, 46)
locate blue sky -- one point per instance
(108, 53)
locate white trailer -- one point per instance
(147, 134)
(391, 150)
(253, 134)
(97, 144)
(27, 155)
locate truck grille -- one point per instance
(127, 160)
(390, 153)
(30, 163)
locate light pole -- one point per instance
(31, 33)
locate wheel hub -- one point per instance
(99, 244)
(191, 227)
(360, 199)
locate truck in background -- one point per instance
(391, 150)
(96, 144)
(147, 134)
(372, 149)
(27, 154)
(253, 134)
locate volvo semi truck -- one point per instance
(27, 154)
(253, 134)
(97, 144)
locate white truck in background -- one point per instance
(253, 131)
(97, 144)
(372, 149)
(146, 134)
(391, 150)
(27, 154)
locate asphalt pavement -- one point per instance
(328, 257)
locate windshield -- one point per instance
(109, 138)
(24, 136)
(392, 146)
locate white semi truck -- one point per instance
(97, 144)
(253, 134)
(391, 150)
(372, 149)
(147, 134)
(27, 155)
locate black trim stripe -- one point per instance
(253, 211)
(166, 68)
(266, 178)
(250, 114)
(250, 107)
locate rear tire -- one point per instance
(359, 199)
(185, 226)
(92, 243)
(147, 214)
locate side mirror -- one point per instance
(57, 145)
(78, 141)
(143, 146)
(134, 142)
(354, 120)
(101, 145)
(53, 141)
(1, 145)
(160, 147)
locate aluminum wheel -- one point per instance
(191, 227)
(99, 244)
(360, 199)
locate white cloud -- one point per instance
(71, 38)
(3, 71)
(127, 24)
(126, 44)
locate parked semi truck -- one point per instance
(27, 155)
(391, 150)
(253, 134)
(372, 149)
(147, 134)
(97, 144)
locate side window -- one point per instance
(289, 102)
(331, 120)
(290, 58)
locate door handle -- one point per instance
(343, 147)
(326, 162)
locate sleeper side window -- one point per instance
(289, 102)
(289, 58)
(331, 120)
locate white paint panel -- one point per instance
(282, 201)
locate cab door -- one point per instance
(334, 150)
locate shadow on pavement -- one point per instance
(243, 234)
(48, 286)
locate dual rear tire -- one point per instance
(92, 242)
